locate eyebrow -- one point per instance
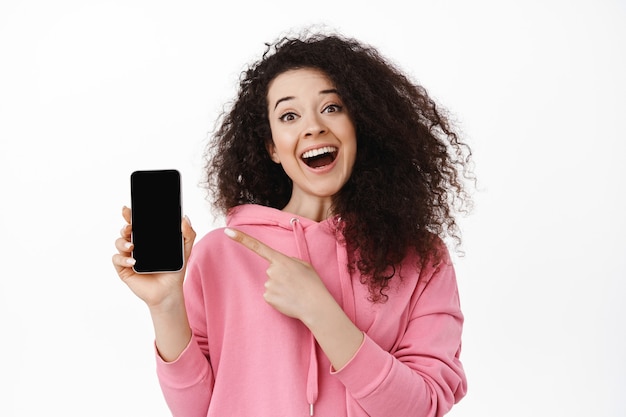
(323, 92)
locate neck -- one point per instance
(313, 208)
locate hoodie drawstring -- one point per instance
(347, 292)
(312, 388)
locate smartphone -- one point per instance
(156, 219)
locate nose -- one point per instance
(314, 126)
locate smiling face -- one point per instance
(313, 137)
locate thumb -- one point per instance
(189, 236)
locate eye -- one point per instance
(332, 108)
(288, 117)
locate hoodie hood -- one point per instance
(255, 215)
(303, 233)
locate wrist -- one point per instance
(319, 309)
(174, 302)
(171, 327)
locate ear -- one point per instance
(271, 150)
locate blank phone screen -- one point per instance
(156, 218)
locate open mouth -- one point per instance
(317, 158)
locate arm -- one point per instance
(333, 330)
(187, 382)
(423, 375)
(162, 293)
(182, 368)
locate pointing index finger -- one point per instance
(251, 243)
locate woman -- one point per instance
(331, 291)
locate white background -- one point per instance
(91, 90)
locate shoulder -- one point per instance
(432, 272)
(211, 239)
(208, 248)
(435, 258)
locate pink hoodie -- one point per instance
(247, 359)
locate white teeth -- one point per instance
(319, 151)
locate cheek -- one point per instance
(351, 144)
(282, 146)
(283, 139)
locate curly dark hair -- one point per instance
(408, 179)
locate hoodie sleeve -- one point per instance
(423, 376)
(187, 382)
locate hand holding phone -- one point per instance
(157, 288)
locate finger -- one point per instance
(126, 229)
(253, 244)
(125, 232)
(123, 246)
(126, 213)
(121, 262)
